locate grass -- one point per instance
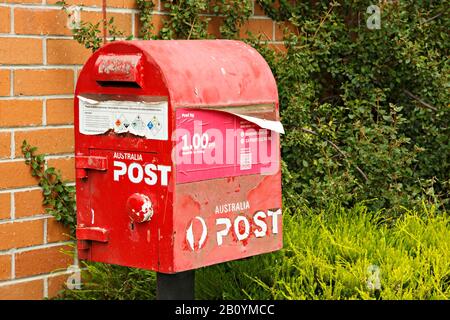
(337, 253)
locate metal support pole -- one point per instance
(177, 286)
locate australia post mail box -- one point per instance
(177, 155)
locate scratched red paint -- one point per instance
(187, 75)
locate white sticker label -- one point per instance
(145, 119)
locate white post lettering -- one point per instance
(239, 235)
(152, 177)
(257, 219)
(121, 172)
(164, 174)
(274, 215)
(224, 232)
(140, 172)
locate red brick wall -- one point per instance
(39, 65)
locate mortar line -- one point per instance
(26, 219)
(273, 31)
(39, 66)
(35, 36)
(12, 31)
(35, 6)
(36, 247)
(44, 50)
(13, 265)
(31, 278)
(28, 188)
(47, 157)
(45, 288)
(75, 75)
(44, 112)
(44, 241)
(133, 25)
(56, 96)
(21, 189)
(36, 128)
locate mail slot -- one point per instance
(177, 155)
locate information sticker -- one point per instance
(145, 119)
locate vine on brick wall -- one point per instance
(89, 34)
(59, 197)
(234, 13)
(185, 20)
(145, 18)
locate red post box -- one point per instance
(177, 155)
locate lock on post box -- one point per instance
(177, 155)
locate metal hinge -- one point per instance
(83, 163)
(93, 234)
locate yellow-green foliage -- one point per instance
(333, 255)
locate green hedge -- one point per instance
(365, 110)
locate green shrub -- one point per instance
(366, 111)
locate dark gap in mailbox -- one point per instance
(119, 84)
(111, 132)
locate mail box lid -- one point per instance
(194, 72)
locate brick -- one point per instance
(5, 82)
(12, 113)
(48, 141)
(56, 284)
(259, 11)
(256, 27)
(21, 234)
(15, 174)
(60, 111)
(28, 203)
(43, 82)
(281, 26)
(40, 21)
(214, 26)
(130, 4)
(20, 51)
(122, 21)
(5, 20)
(66, 52)
(66, 166)
(40, 261)
(5, 145)
(5, 267)
(30, 290)
(56, 231)
(5, 206)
